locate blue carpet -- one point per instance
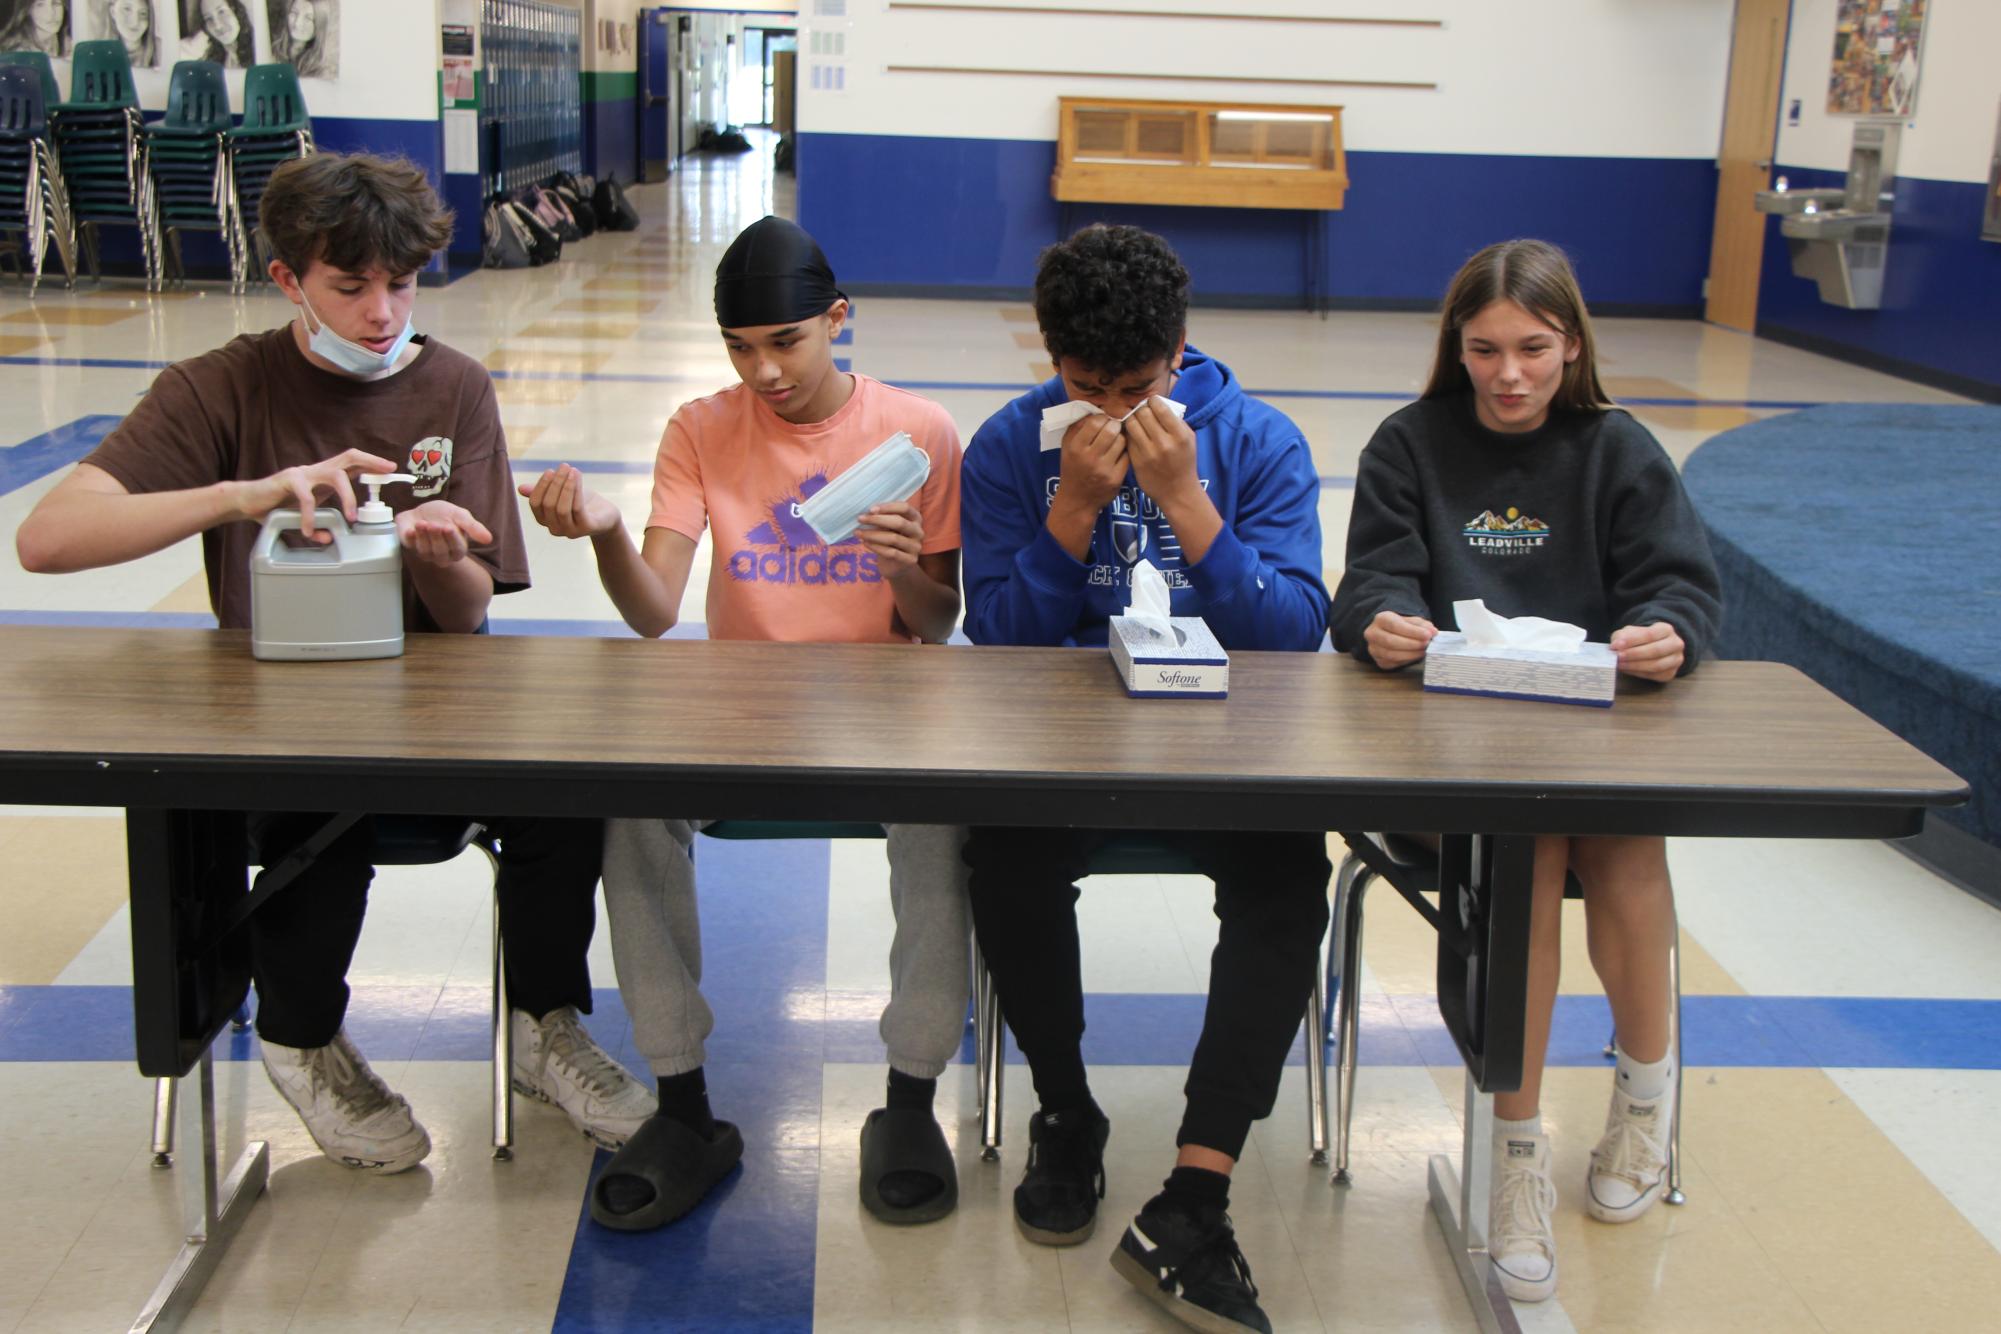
(1857, 543)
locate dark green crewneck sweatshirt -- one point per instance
(1582, 520)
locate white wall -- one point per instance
(1616, 78)
(388, 60)
(1959, 92)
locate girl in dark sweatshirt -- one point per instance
(1514, 481)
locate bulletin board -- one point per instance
(1877, 48)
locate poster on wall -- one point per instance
(218, 30)
(136, 23)
(37, 25)
(305, 34)
(1876, 52)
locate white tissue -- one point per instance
(1056, 420)
(889, 472)
(1151, 608)
(1483, 629)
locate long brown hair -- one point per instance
(1536, 276)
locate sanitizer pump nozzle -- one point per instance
(373, 510)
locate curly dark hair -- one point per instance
(1114, 298)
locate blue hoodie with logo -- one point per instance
(1258, 586)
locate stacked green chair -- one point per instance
(100, 147)
(38, 61)
(275, 130)
(190, 169)
(32, 203)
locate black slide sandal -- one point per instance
(905, 1140)
(677, 1163)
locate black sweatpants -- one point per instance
(302, 938)
(1271, 899)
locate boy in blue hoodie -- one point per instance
(1172, 463)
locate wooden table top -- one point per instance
(120, 716)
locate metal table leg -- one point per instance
(214, 1218)
(1484, 907)
(1459, 1203)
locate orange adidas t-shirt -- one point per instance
(730, 463)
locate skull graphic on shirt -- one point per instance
(431, 465)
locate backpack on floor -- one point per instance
(549, 210)
(582, 215)
(505, 242)
(615, 211)
(544, 246)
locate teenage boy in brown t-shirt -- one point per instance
(282, 419)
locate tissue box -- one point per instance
(1196, 667)
(1587, 676)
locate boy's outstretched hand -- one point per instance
(1650, 652)
(438, 532)
(1397, 641)
(895, 534)
(561, 502)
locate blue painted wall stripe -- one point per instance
(1941, 283)
(975, 213)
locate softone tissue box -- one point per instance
(1194, 667)
(1588, 676)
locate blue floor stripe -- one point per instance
(744, 1259)
(38, 456)
(785, 1014)
(121, 620)
(527, 468)
(995, 386)
(88, 363)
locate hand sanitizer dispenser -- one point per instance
(340, 600)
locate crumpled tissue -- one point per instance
(1056, 419)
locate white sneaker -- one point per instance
(1629, 1168)
(1521, 1237)
(350, 1113)
(556, 1061)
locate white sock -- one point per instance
(1505, 1130)
(1644, 1080)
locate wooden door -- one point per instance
(1750, 127)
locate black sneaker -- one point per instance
(1056, 1203)
(1192, 1267)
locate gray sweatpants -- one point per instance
(656, 941)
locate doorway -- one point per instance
(1744, 164)
(754, 95)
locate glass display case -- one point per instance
(1206, 154)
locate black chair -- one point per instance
(407, 840)
(1411, 869)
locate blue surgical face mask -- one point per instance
(353, 357)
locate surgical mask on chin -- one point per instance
(353, 357)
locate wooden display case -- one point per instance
(1204, 154)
